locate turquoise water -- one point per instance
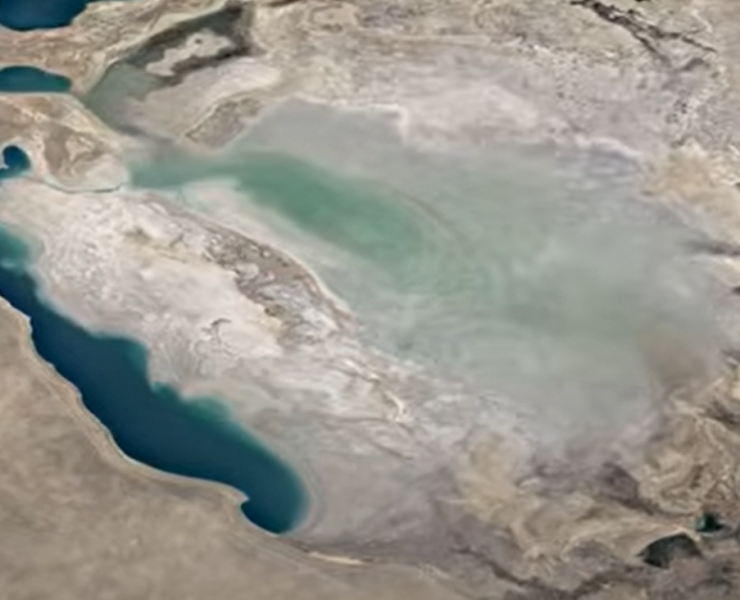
(374, 223)
(110, 97)
(151, 423)
(24, 79)
(26, 15)
(567, 295)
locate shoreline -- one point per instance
(282, 545)
(100, 436)
(229, 498)
(257, 443)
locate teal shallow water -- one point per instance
(370, 222)
(568, 295)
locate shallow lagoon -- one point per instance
(545, 280)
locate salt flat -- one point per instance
(292, 328)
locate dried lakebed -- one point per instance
(150, 423)
(487, 293)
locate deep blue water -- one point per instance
(25, 15)
(15, 161)
(151, 423)
(23, 79)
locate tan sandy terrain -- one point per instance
(78, 520)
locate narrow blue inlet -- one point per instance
(26, 80)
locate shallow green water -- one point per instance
(372, 222)
(570, 297)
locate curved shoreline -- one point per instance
(156, 426)
(102, 439)
(230, 498)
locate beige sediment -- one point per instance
(103, 441)
(240, 529)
